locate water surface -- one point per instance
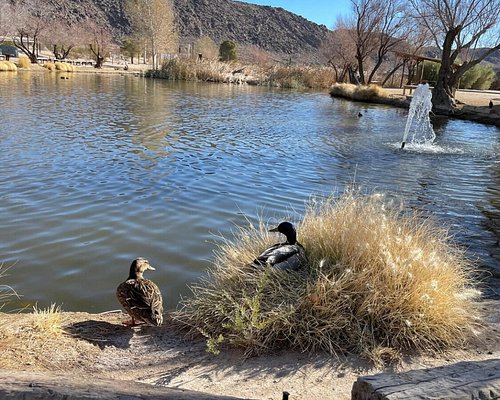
(97, 170)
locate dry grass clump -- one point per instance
(189, 69)
(64, 67)
(7, 66)
(299, 77)
(357, 92)
(49, 66)
(47, 320)
(24, 62)
(378, 281)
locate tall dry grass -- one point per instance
(7, 66)
(63, 67)
(24, 62)
(358, 92)
(47, 320)
(296, 77)
(189, 69)
(378, 281)
(6, 291)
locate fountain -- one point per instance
(418, 122)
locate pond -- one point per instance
(97, 170)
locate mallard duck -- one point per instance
(140, 297)
(288, 255)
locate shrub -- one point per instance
(24, 62)
(192, 70)
(227, 51)
(8, 66)
(300, 77)
(431, 70)
(64, 67)
(478, 77)
(378, 281)
(357, 92)
(50, 66)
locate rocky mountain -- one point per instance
(273, 29)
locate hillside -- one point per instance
(273, 29)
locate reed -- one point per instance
(294, 77)
(6, 291)
(378, 281)
(193, 70)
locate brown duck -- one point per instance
(140, 297)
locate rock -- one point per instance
(467, 380)
(15, 385)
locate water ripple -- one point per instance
(97, 170)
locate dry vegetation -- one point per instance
(7, 66)
(358, 92)
(378, 282)
(215, 71)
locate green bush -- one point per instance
(431, 70)
(227, 51)
(478, 77)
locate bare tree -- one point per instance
(6, 18)
(29, 21)
(62, 38)
(458, 27)
(405, 54)
(339, 49)
(99, 40)
(206, 47)
(378, 27)
(154, 21)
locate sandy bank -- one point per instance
(97, 345)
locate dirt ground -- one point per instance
(99, 346)
(476, 98)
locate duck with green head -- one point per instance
(288, 255)
(140, 297)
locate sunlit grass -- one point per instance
(7, 293)
(47, 320)
(49, 66)
(24, 62)
(64, 67)
(296, 77)
(379, 281)
(358, 92)
(7, 66)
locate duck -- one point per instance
(288, 255)
(140, 297)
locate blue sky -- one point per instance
(320, 11)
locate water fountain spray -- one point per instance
(419, 122)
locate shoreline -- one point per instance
(97, 346)
(470, 108)
(472, 104)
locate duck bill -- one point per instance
(152, 268)
(273, 230)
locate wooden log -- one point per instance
(467, 380)
(16, 385)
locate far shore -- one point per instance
(473, 105)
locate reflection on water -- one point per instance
(97, 170)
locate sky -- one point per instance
(320, 11)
